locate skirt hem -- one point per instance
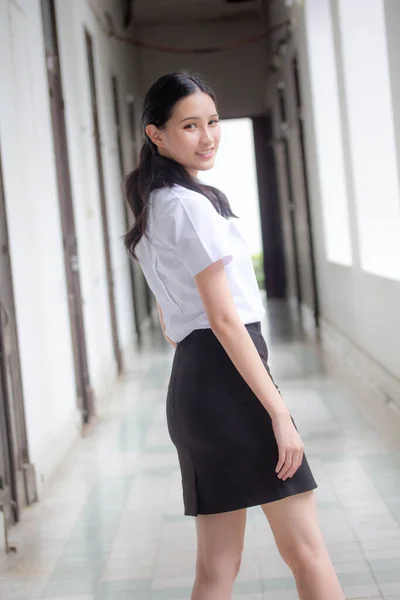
(265, 499)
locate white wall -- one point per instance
(34, 229)
(328, 133)
(363, 306)
(359, 310)
(34, 218)
(372, 140)
(110, 58)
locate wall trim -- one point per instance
(376, 391)
(308, 322)
(56, 450)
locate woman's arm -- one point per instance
(160, 315)
(213, 287)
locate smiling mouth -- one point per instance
(205, 152)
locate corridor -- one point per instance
(110, 527)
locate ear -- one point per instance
(155, 135)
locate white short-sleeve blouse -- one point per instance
(185, 235)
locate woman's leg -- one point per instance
(294, 523)
(220, 540)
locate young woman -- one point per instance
(237, 443)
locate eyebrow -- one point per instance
(194, 118)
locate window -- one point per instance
(371, 131)
(328, 131)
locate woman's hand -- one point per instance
(290, 446)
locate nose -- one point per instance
(206, 136)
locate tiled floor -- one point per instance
(110, 525)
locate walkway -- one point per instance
(110, 526)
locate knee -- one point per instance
(302, 556)
(221, 568)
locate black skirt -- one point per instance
(226, 445)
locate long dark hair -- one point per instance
(156, 171)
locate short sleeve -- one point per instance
(198, 233)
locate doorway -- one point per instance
(127, 213)
(270, 213)
(103, 203)
(284, 133)
(84, 391)
(145, 312)
(17, 476)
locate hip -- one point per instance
(208, 402)
(201, 367)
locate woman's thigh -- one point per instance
(220, 538)
(294, 523)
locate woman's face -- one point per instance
(192, 134)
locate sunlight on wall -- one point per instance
(372, 141)
(328, 134)
(235, 174)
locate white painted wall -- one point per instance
(329, 142)
(360, 307)
(34, 219)
(110, 58)
(373, 150)
(363, 306)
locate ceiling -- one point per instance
(148, 12)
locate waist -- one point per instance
(207, 333)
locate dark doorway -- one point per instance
(128, 217)
(270, 215)
(284, 134)
(103, 203)
(84, 390)
(17, 477)
(134, 138)
(141, 283)
(300, 124)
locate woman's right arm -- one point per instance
(215, 292)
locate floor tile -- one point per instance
(172, 593)
(111, 525)
(125, 595)
(283, 583)
(71, 598)
(248, 587)
(123, 585)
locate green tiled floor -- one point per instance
(111, 526)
